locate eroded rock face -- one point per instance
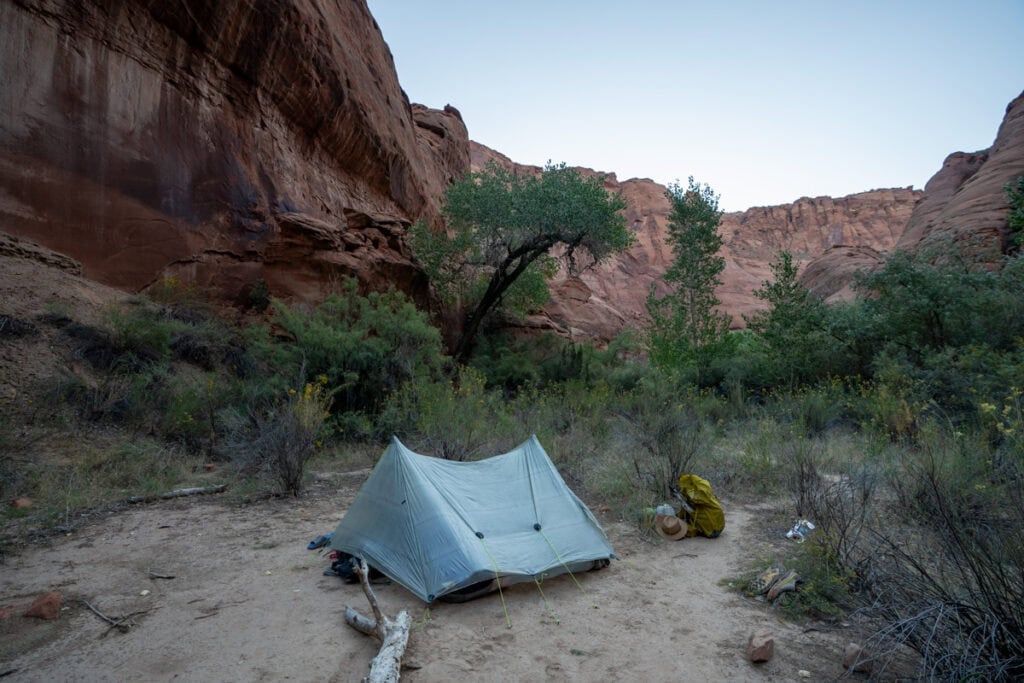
(604, 301)
(965, 199)
(808, 228)
(221, 142)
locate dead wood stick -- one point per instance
(393, 634)
(100, 614)
(154, 575)
(360, 623)
(120, 623)
(179, 493)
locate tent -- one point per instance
(437, 526)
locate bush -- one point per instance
(360, 348)
(952, 586)
(663, 436)
(454, 420)
(278, 441)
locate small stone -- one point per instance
(21, 503)
(46, 606)
(856, 659)
(803, 673)
(760, 647)
(144, 592)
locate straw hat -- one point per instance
(669, 527)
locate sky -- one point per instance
(765, 101)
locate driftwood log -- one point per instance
(393, 634)
(180, 493)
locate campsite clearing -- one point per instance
(248, 602)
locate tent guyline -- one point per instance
(422, 521)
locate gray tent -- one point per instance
(437, 526)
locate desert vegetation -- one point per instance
(894, 422)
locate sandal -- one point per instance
(783, 585)
(760, 584)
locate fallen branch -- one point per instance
(180, 493)
(122, 624)
(393, 634)
(154, 575)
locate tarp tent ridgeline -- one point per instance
(436, 526)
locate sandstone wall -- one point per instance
(220, 141)
(965, 199)
(612, 297)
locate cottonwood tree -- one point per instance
(793, 329)
(686, 331)
(502, 228)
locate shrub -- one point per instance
(364, 347)
(952, 585)
(663, 436)
(454, 420)
(279, 440)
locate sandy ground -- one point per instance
(248, 602)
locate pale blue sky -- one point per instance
(766, 101)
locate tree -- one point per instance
(502, 227)
(793, 328)
(686, 330)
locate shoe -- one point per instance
(760, 584)
(319, 542)
(785, 584)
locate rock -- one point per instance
(760, 647)
(807, 228)
(803, 673)
(830, 276)
(965, 199)
(217, 143)
(46, 606)
(856, 659)
(602, 302)
(21, 503)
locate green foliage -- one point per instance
(514, 363)
(452, 420)
(363, 347)
(503, 227)
(1015, 195)
(285, 436)
(142, 333)
(793, 329)
(686, 329)
(826, 589)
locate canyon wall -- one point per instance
(220, 142)
(601, 302)
(965, 200)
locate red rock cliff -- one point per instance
(963, 202)
(965, 199)
(222, 141)
(612, 297)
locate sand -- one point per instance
(248, 602)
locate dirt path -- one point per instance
(248, 602)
